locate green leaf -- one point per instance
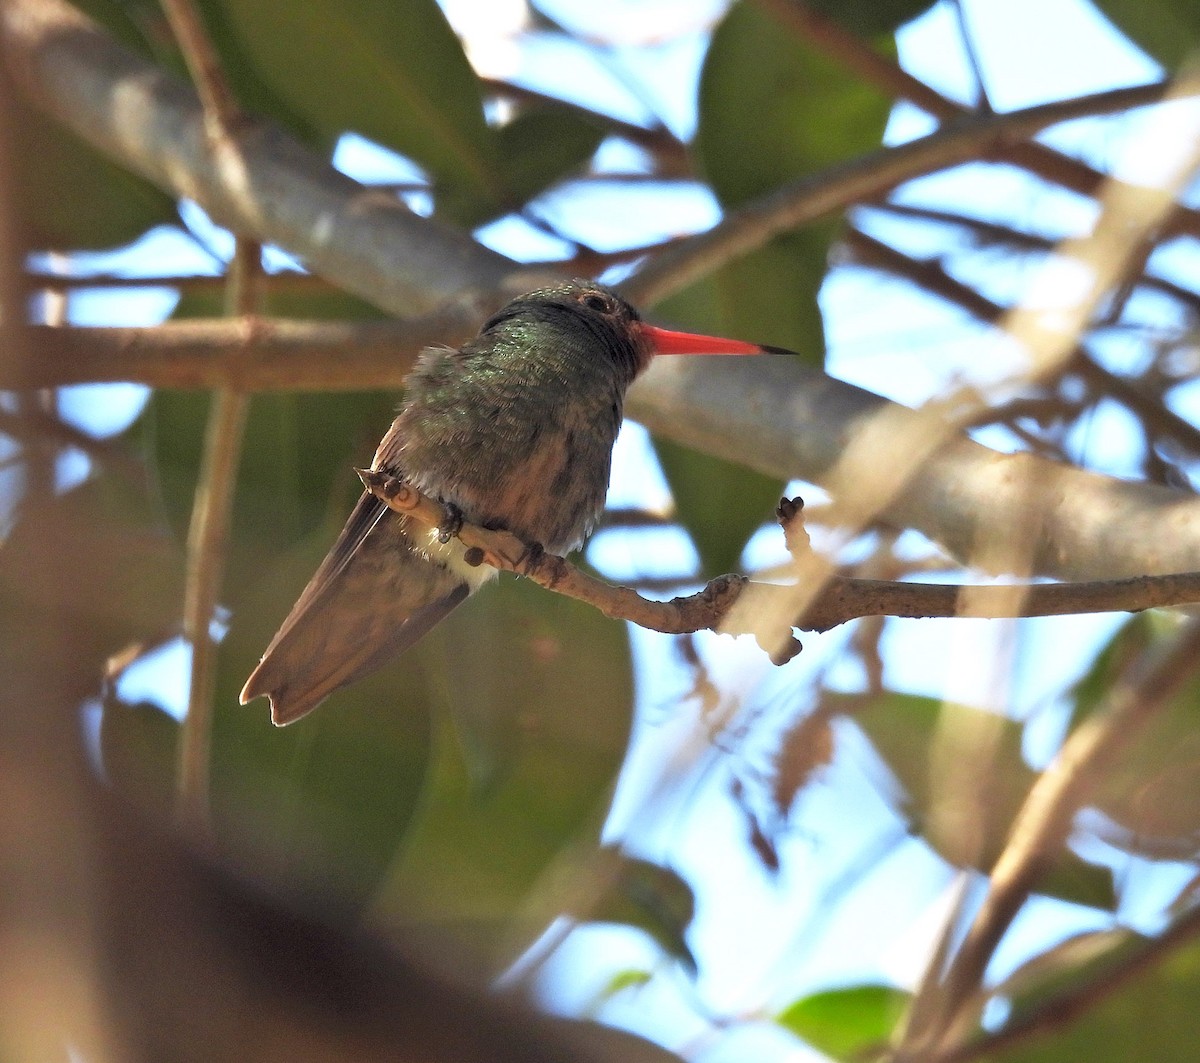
(1155, 1015)
(721, 504)
(323, 805)
(73, 198)
(541, 146)
(1167, 30)
(808, 114)
(620, 981)
(537, 142)
(138, 746)
(652, 898)
(964, 780)
(808, 111)
(869, 18)
(1150, 789)
(391, 70)
(119, 571)
(846, 1023)
(295, 474)
(538, 692)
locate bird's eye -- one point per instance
(597, 303)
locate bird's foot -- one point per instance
(452, 525)
(531, 556)
(534, 559)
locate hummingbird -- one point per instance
(514, 430)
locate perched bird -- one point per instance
(516, 430)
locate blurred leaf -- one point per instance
(1066, 968)
(322, 805)
(296, 472)
(628, 978)
(533, 150)
(846, 1023)
(119, 574)
(539, 694)
(965, 780)
(538, 142)
(652, 898)
(391, 70)
(137, 750)
(1167, 30)
(71, 197)
(868, 18)
(1130, 640)
(1150, 790)
(721, 504)
(809, 113)
(537, 149)
(1153, 1016)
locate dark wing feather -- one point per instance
(372, 597)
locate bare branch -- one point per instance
(842, 599)
(860, 180)
(207, 550)
(266, 355)
(1066, 1007)
(266, 184)
(205, 67)
(933, 277)
(888, 76)
(212, 506)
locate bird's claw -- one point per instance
(452, 524)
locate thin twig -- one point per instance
(887, 75)
(859, 180)
(208, 534)
(218, 101)
(990, 233)
(659, 141)
(982, 103)
(286, 281)
(932, 276)
(207, 549)
(1065, 1007)
(1041, 828)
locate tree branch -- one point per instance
(267, 355)
(888, 76)
(212, 505)
(842, 599)
(788, 420)
(265, 184)
(932, 277)
(859, 180)
(1068, 1006)
(1042, 826)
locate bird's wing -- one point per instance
(371, 598)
